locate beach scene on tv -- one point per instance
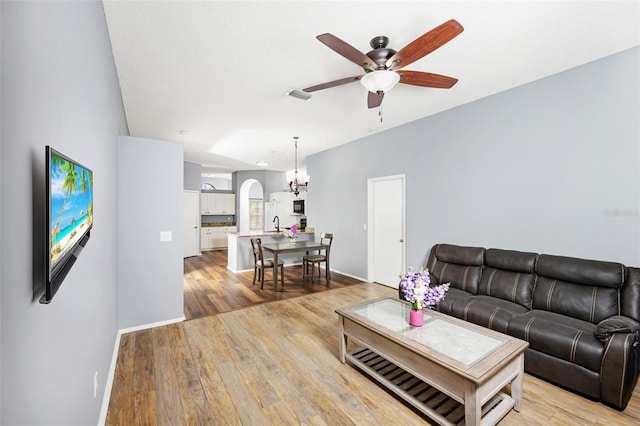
(71, 209)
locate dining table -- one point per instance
(295, 246)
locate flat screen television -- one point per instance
(69, 216)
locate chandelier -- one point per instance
(297, 181)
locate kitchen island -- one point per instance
(240, 254)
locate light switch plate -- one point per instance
(166, 236)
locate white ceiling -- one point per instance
(214, 75)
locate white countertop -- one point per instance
(261, 234)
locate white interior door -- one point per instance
(386, 229)
(191, 231)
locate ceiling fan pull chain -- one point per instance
(380, 112)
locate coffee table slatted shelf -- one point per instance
(421, 395)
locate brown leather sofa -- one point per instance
(581, 317)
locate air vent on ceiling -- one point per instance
(299, 94)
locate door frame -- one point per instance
(198, 221)
(371, 225)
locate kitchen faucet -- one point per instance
(277, 223)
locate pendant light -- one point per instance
(298, 181)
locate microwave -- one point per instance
(298, 206)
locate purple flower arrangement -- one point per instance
(292, 232)
(416, 289)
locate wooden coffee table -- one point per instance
(453, 371)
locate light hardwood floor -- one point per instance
(277, 363)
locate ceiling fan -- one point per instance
(382, 65)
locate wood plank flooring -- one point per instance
(277, 363)
(210, 288)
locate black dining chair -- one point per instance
(317, 258)
(260, 263)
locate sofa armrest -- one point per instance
(620, 368)
(616, 324)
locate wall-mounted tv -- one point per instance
(69, 211)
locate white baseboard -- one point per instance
(238, 272)
(151, 325)
(114, 359)
(349, 275)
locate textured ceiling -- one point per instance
(214, 75)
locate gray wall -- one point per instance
(551, 167)
(1, 207)
(150, 190)
(59, 88)
(192, 176)
(271, 181)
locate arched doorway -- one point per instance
(250, 191)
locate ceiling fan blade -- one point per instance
(374, 99)
(345, 49)
(425, 44)
(332, 84)
(426, 79)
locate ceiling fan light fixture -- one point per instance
(380, 80)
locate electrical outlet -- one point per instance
(95, 385)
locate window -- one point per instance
(256, 214)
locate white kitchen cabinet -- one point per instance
(207, 203)
(207, 238)
(212, 203)
(219, 238)
(226, 203)
(215, 237)
(284, 201)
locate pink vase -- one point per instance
(416, 317)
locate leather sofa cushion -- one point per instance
(460, 266)
(461, 255)
(560, 336)
(452, 296)
(580, 288)
(511, 260)
(516, 287)
(509, 275)
(581, 271)
(487, 311)
(631, 294)
(588, 303)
